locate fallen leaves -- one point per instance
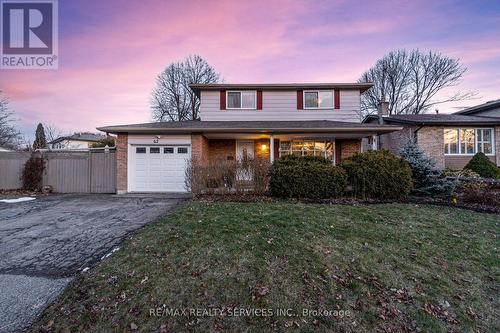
(258, 292)
(440, 313)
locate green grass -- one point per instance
(392, 267)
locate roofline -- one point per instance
(197, 87)
(72, 139)
(121, 129)
(478, 108)
(434, 122)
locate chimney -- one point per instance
(383, 110)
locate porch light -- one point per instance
(263, 146)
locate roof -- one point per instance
(437, 119)
(481, 107)
(91, 137)
(279, 86)
(191, 126)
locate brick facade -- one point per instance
(431, 140)
(121, 162)
(262, 153)
(199, 148)
(393, 141)
(346, 148)
(222, 149)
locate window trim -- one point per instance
(318, 107)
(291, 150)
(459, 146)
(241, 99)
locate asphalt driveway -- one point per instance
(44, 243)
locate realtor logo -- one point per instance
(28, 34)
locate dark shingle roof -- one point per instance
(481, 107)
(242, 126)
(437, 119)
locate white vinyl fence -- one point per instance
(11, 168)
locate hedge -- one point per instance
(379, 175)
(306, 177)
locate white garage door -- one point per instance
(159, 168)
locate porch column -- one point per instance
(271, 149)
(374, 142)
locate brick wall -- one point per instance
(431, 140)
(222, 149)
(199, 148)
(393, 141)
(121, 162)
(347, 148)
(259, 152)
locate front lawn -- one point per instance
(392, 267)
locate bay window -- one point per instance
(468, 141)
(307, 148)
(318, 99)
(241, 99)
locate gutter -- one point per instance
(248, 130)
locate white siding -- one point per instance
(281, 105)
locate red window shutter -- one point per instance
(259, 99)
(300, 102)
(336, 99)
(222, 99)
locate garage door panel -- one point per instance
(159, 169)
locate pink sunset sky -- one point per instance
(111, 51)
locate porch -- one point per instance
(228, 147)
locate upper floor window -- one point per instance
(241, 100)
(468, 141)
(318, 99)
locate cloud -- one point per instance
(111, 52)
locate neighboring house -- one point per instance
(76, 141)
(451, 139)
(244, 120)
(488, 109)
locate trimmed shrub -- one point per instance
(379, 175)
(311, 177)
(481, 164)
(427, 178)
(33, 173)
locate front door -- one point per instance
(244, 150)
(244, 153)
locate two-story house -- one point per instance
(244, 120)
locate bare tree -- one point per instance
(52, 132)
(9, 135)
(172, 99)
(410, 81)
